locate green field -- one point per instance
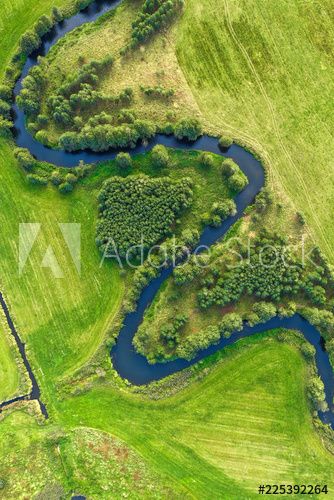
(244, 418)
(9, 372)
(263, 71)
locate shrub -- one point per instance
(262, 312)
(25, 159)
(42, 137)
(225, 142)
(43, 25)
(198, 342)
(30, 42)
(36, 180)
(206, 160)
(4, 109)
(5, 93)
(71, 178)
(188, 128)
(229, 167)
(263, 200)
(237, 182)
(57, 15)
(160, 156)
(65, 187)
(123, 160)
(56, 177)
(317, 393)
(5, 126)
(231, 323)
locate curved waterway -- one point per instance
(128, 363)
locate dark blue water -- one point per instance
(129, 364)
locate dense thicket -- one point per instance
(139, 210)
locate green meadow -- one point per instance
(260, 71)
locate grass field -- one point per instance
(263, 71)
(248, 421)
(244, 423)
(9, 372)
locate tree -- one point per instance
(56, 177)
(317, 393)
(123, 160)
(229, 167)
(65, 187)
(263, 312)
(206, 160)
(231, 322)
(25, 159)
(30, 41)
(5, 93)
(57, 15)
(188, 128)
(43, 25)
(4, 109)
(160, 156)
(237, 182)
(225, 142)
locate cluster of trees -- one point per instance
(105, 137)
(5, 107)
(235, 178)
(220, 211)
(262, 312)
(79, 92)
(270, 271)
(154, 15)
(139, 211)
(32, 88)
(157, 92)
(31, 39)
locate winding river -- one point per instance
(129, 364)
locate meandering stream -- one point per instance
(128, 363)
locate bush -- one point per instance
(25, 159)
(231, 323)
(6, 93)
(36, 180)
(43, 25)
(5, 127)
(189, 129)
(42, 137)
(160, 156)
(139, 210)
(225, 142)
(198, 342)
(4, 109)
(229, 167)
(206, 160)
(123, 160)
(56, 177)
(65, 187)
(57, 15)
(30, 42)
(317, 393)
(262, 312)
(71, 178)
(237, 182)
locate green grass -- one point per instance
(248, 421)
(263, 71)
(249, 414)
(9, 372)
